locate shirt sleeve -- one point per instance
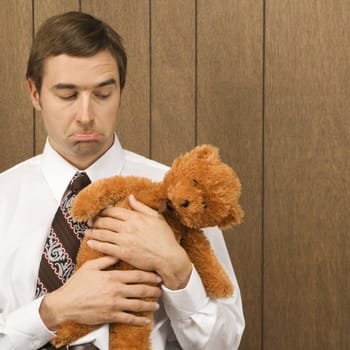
(202, 323)
(23, 328)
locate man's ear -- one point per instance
(34, 94)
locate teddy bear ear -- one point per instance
(206, 152)
(234, 218)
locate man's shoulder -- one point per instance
(24, 169)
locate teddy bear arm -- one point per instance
(214, 278)
(151, 195)
(103, 193)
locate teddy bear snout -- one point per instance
(169, 204)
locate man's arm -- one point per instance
(23, 328)
(111, 298)
(143, 239)
(202, 323)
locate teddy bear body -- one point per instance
(198, 191)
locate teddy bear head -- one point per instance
(203, 191)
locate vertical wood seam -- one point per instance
(150, 76)
(263, 172)
(33, 110)
(196, 73)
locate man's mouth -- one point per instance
(88, 136)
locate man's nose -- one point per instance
(85, 112)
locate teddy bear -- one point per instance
(198, 191)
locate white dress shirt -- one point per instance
(30, 194)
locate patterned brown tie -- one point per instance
(62, 244)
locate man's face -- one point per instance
(79, 102)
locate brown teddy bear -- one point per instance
(198, 191)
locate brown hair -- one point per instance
(75, 34)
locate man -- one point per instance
(76, 73)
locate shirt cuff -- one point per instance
(182, 303)
(27, 326)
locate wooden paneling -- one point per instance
(44, 9)
(307, 162)
(229, 105)
(173, 78)
(16, 127)
(130, 18)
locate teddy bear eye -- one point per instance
(185, 203)
(194, 181)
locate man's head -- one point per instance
(75, 34)
(75, 75)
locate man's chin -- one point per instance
(93, 149)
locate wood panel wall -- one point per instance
(307, 168)
(267, 82)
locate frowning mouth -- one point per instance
(86, 136)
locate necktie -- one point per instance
(62, 244)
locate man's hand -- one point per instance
(92, 296)
(142, 238)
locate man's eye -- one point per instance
(69, 97)
(102, 96)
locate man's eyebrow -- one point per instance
(111, 81)
(64, 86)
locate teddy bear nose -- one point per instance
(185, 203)
(169, 204)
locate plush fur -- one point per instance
(198, 191)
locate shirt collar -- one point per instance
(58, 172)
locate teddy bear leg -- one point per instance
(69, 332)
(128, 337)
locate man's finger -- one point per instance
(136, 277)
(116, 213)
(100, 263)
(140, 207)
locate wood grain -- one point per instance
(173, 78)
(307, 166)
(229, 106)
(16, 141)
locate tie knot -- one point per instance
(79, 181)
